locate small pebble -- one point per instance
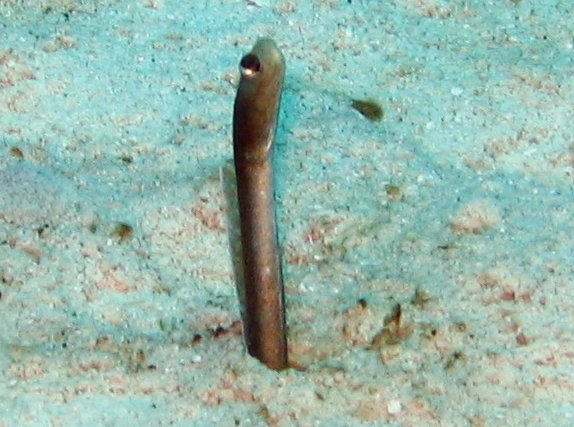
(456, 91)
(394, 407)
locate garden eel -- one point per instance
(254, 123)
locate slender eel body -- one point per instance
(254, 124)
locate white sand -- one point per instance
(458, 206)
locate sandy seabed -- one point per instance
(428, 256)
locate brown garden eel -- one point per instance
(254, 124)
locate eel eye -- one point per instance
(249, 65)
